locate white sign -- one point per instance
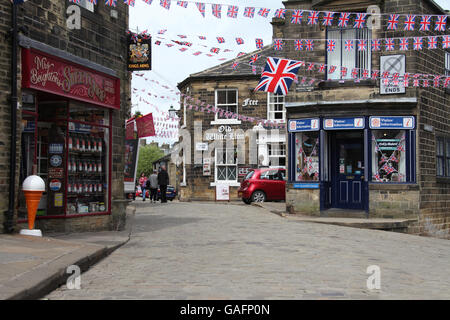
(395, 65)
(222, 192)
(201, 146)
(206, 166)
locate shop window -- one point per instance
(307, 156)
(275, 107)
(226, 164)
(443, 157)
(389, 156)
(350, 59)
(277, 154)
(227, 101)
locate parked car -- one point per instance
(171, 193)
(261, 185)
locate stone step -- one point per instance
(343, 213)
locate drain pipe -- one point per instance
(9, 214)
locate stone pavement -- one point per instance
(228, 251)
(31, 267)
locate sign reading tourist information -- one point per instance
(297, 125)
(343, 123)
(391, 122)
(64, 78)
(139, 53)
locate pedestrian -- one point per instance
(153, 186)
(143, 184)
(163, 181)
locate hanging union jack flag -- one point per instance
(183, 4)
(239, 41)
(432, 42)
(343, 19)
(376, 44)
(259, 43)
(297, 17)
(278, 75)
(249, 12)
(418, 43)
(280, 13)
(298, 45)
(404, 42)
(440, 24)
(388, 169)
(263, 12)
(217, 10)
(165, 4)
(390, 44)
(328, 18)
(220, 40)
(362, 45)
(393, 22)
(331, 45)
(425, 23)
(201, 8)
(445, 42)
(111, 3)
(253, 59)
(309, 45)
(232, 11)
(410, 20)
(359, 21)
(348, 45)
(278, 44)
(128, 2)
(313, 17)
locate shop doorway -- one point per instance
(347, 170)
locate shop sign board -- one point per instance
(201, 146)
(139, 52)
(43, 72)
(243, 171)
(343, 123)
(222, 192)
(298, 125)
(394, 122)
(394, 64)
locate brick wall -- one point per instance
(102, 40)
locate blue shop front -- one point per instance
(359, 164)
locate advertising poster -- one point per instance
(222, 192)
(131, 147)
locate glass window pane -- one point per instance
(389, 156)
(231, 170)
(232, 95)
(307, 156)
(221, 97)
(221, 173)
(86, 113)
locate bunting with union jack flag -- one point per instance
(278, 75)
(111, 3)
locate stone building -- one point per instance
(378, 151)
(73, 99)
(254, 124)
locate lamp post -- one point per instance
(172, 112)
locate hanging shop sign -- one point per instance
(139, 52)
(298, 125)
(395, 122)
(51, 74)
(131, 148)
(145, 126)
(343, 123)
(395, 65)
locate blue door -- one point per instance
(347, 170)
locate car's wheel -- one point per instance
(258, 196)
(247, 201)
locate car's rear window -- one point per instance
(249, 175)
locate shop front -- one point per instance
(67, 136)
(347, 163)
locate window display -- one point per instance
(307, 156)
(388, 156)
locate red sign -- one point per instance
(145, 127)
(129, 133)
(64, 78)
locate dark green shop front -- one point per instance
(342, 156)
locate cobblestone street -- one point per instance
(230, 251)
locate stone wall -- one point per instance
(303, 201)
(394, 201)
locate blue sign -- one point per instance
(391, 122)
(297, 125)
(344, 123)
(306, 186)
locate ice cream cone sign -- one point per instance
(33, 187)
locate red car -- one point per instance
(263, 185)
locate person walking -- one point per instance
(143, 184)
(153, 186)
(163, 181)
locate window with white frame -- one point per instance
(277, 154)
(343, 56)
(275, 107)
(447, 63)
(86, 4)
(226, 164)
(227, 102)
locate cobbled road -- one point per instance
(231, 251)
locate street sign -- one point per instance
(394, 122)
(394, 64)
(298, 125)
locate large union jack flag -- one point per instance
(278, 75)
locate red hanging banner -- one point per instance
(51, 74)
(145, 127)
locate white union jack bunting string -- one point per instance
(278, 75)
